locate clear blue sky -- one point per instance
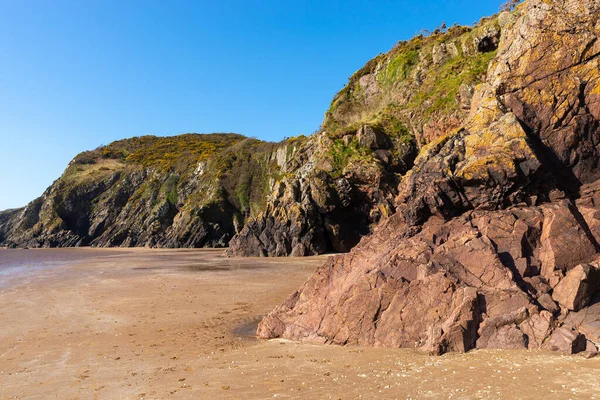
(78, 74)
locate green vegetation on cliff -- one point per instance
(171, 152)
(348, 173)
(417, 81)
(344, 153)
(188, 190)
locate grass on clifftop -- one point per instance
(169, 152)
(235, 168)
(442, 88)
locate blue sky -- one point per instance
(78, 74)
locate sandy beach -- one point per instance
(154, 324)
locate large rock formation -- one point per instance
(495, 240)
(183, 191)
(304, 196)
(345, 179)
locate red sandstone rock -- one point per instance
(564, 242)
(566, 341)
(445, 287)
(494, 225)
(537, 328)
(576, 289)
(586, 321)
(590, 350)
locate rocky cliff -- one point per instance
(304, 196)
(345, 179)
(309, 195)
(184, 191)
(495, 239)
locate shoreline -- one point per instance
(177, 324)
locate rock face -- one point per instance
(345, 179)
(314, 208)
(494, 243)
(576, 289)
(183, 191)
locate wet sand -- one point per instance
(156, 324)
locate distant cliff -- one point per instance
(185, 191)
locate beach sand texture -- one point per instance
(154, 324)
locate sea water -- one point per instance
(18, 264)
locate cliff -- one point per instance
(304, 196)
(346, 179)
(184, 191)
(495, 240)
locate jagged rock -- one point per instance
(372, 139)
(421, 266)
(548, 303)
(475, 250)
(466, 93)
(490, 218)
(566, 341)
(316, 211)
(515, 234)
(537, 328)
(439, 53)
(586, 321)
(487, 166)
(591, 350)
(552, 88)
(576, 289)
(564, 241)
(538, 286)
(505, 337)
(437, 128)
(502, 331)
(370, 87)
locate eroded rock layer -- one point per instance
(496, 236)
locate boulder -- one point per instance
(566, 341)
(440, 54)
(564, 242)
(537, 328)
(503, 332)
(591, 350)
(576, 289)
(372, 138)
(586, 321)
(548, 303)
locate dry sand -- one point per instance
(159, 324)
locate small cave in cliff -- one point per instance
(486, 45)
